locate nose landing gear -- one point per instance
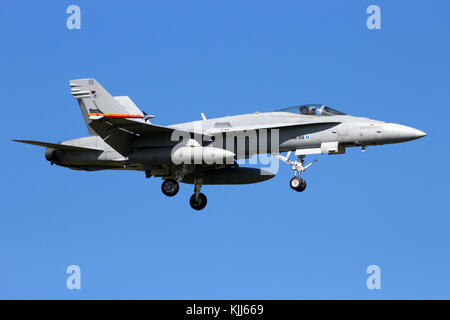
(296, 183)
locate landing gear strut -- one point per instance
(198, 200)
(296, 183)
(170, 187)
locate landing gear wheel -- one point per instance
(198, 204)
(170, 187)
(295, 182)
(302, 186)
(298, 184)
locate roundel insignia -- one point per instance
(307, 137)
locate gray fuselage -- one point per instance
(295, 132)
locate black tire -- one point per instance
(200, 203)
(302, 186)
(295, 183)
(170, 187)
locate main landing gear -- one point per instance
(296, 183)
(170, 187)
(198, 200)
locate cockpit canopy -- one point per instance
(312, 110)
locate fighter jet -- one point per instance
(205, 152)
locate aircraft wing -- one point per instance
(56, 146)
(120, 133)
(136, 126)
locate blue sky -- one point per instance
(387, 206)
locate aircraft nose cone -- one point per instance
(412, 133)
(398, 132)
(420, 134)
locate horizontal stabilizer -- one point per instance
(56, 146)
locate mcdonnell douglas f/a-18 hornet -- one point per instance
(206, 151)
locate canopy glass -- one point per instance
(312, 110)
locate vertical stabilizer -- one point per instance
(93, 98)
